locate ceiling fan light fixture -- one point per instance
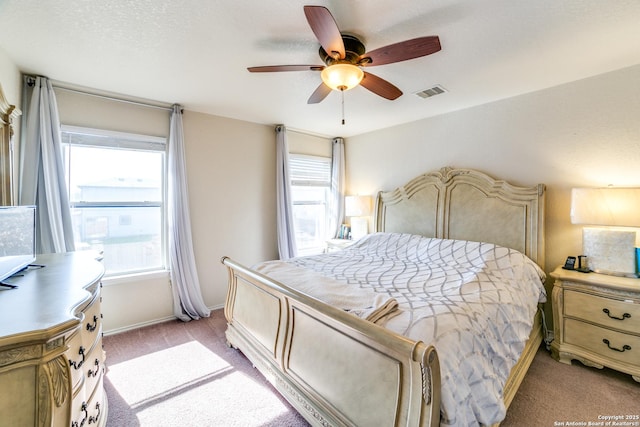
(342, 76)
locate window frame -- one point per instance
(135, 142)
(311, 182)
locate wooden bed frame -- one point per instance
(337, 369)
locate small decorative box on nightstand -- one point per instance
(596, 320)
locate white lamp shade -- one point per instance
(358, 205)
(611, 206)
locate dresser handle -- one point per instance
(91, 372)
(624, 347)
(93, 419)
(624, 316)
(86, 415)
(77, 365)
(93, 327)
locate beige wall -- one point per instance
(312, 145)
(585, 133)
(231, 178)
(10, 79)
(77, 108)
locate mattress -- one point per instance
(473, 301)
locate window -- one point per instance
(310, 190)
(116, 184)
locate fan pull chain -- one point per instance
(342, 94)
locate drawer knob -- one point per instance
(624, 347)
(624, 316)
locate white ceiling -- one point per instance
(195, 52)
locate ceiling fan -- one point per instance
(345, 56)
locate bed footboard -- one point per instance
(334, 368)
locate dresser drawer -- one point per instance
(82, 357)
(608, 312)
(604, 342)
(88, 409)
(93, 366)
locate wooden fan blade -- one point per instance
(380, 86)
(276, 68)
(326, 30)
(402, 51)
(319, 94)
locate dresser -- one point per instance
(51, 356)
(596, 320)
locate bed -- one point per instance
(340, 362)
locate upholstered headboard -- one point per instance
(468, 205)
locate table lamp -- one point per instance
(359, 208)
(608, 242)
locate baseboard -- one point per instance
(149, 323)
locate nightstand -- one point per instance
(338, 244)
(596, 320)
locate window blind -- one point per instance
(309, 170)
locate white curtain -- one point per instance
(42, 181)
(187, 297)
(336, 203)
(286, 233)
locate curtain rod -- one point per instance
(71, 88)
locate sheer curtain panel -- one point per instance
(336, 203)
(42, 172)
(187, 296)
(286, 233)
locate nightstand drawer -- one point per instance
(605, 342)
(603, 311)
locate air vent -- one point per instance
(432, 91)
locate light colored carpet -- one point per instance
(555, 394)
(183, 374)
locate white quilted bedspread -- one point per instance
(474, 302)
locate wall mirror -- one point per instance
(8, 114)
